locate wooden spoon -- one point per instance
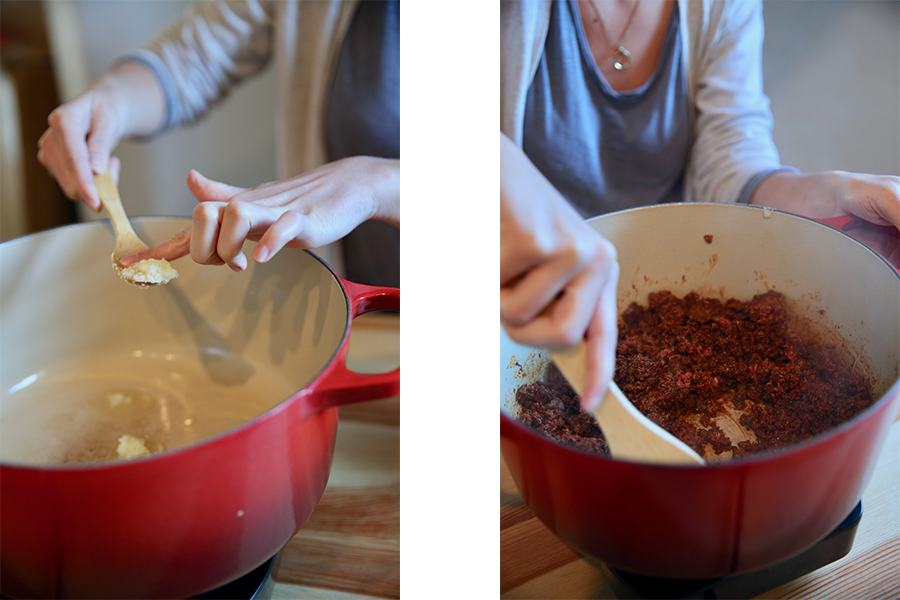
(630, 435)
(127, 241)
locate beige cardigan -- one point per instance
(220, 44)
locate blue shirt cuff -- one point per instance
(153, 62)
(757, 179)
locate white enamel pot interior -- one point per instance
(197, 357)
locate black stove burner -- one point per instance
(258, 584)
(748, 585)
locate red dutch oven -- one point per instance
(698, 522)
(233, 379)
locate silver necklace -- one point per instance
(621, 57)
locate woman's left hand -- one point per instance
(307, 211)
(872, 198)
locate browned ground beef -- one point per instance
(685, 358)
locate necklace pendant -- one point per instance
(621, 59)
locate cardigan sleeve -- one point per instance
(523, 27)
(733, 145)
(200, 57)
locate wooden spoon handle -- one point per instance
(630, 435)
(109, 197)
(127, 241)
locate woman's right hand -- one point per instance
(558, 277)
(128, 100)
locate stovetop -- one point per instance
(834, 547)
(258, 584)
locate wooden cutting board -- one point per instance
(351, 544)
(535, 564)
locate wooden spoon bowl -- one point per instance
(630, 435)
(127, 241)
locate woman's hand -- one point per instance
(876, 199)
(872, 198)
(82, 133)
(558, 277)
(306, 211)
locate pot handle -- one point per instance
(848, 222)
(339, 385)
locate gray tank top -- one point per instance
(364, 106)
(364, 120)
(606, 150)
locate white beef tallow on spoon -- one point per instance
(629, 434)
(146, 273)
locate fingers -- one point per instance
(236, 226)
(571, 280)
(885, 200)
(537, 288)
(306, 211)
(100, 140)
(220, 230)
(207, 190)
(76, 146)
(221, 225)
(114, 166)
(586, 309)
(70, 129)
(177, 246)
(287, 228)
(602, 339)
(205, 233)
(874, 198)
(884, 243)
(565, 321)
(50, 154)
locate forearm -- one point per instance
(814, 195)
(874, 198)
(137, 95)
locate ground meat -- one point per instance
(703, 369)
(552, 407)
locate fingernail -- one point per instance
(262, 254)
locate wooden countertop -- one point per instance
(871, 570)
(350, 547)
